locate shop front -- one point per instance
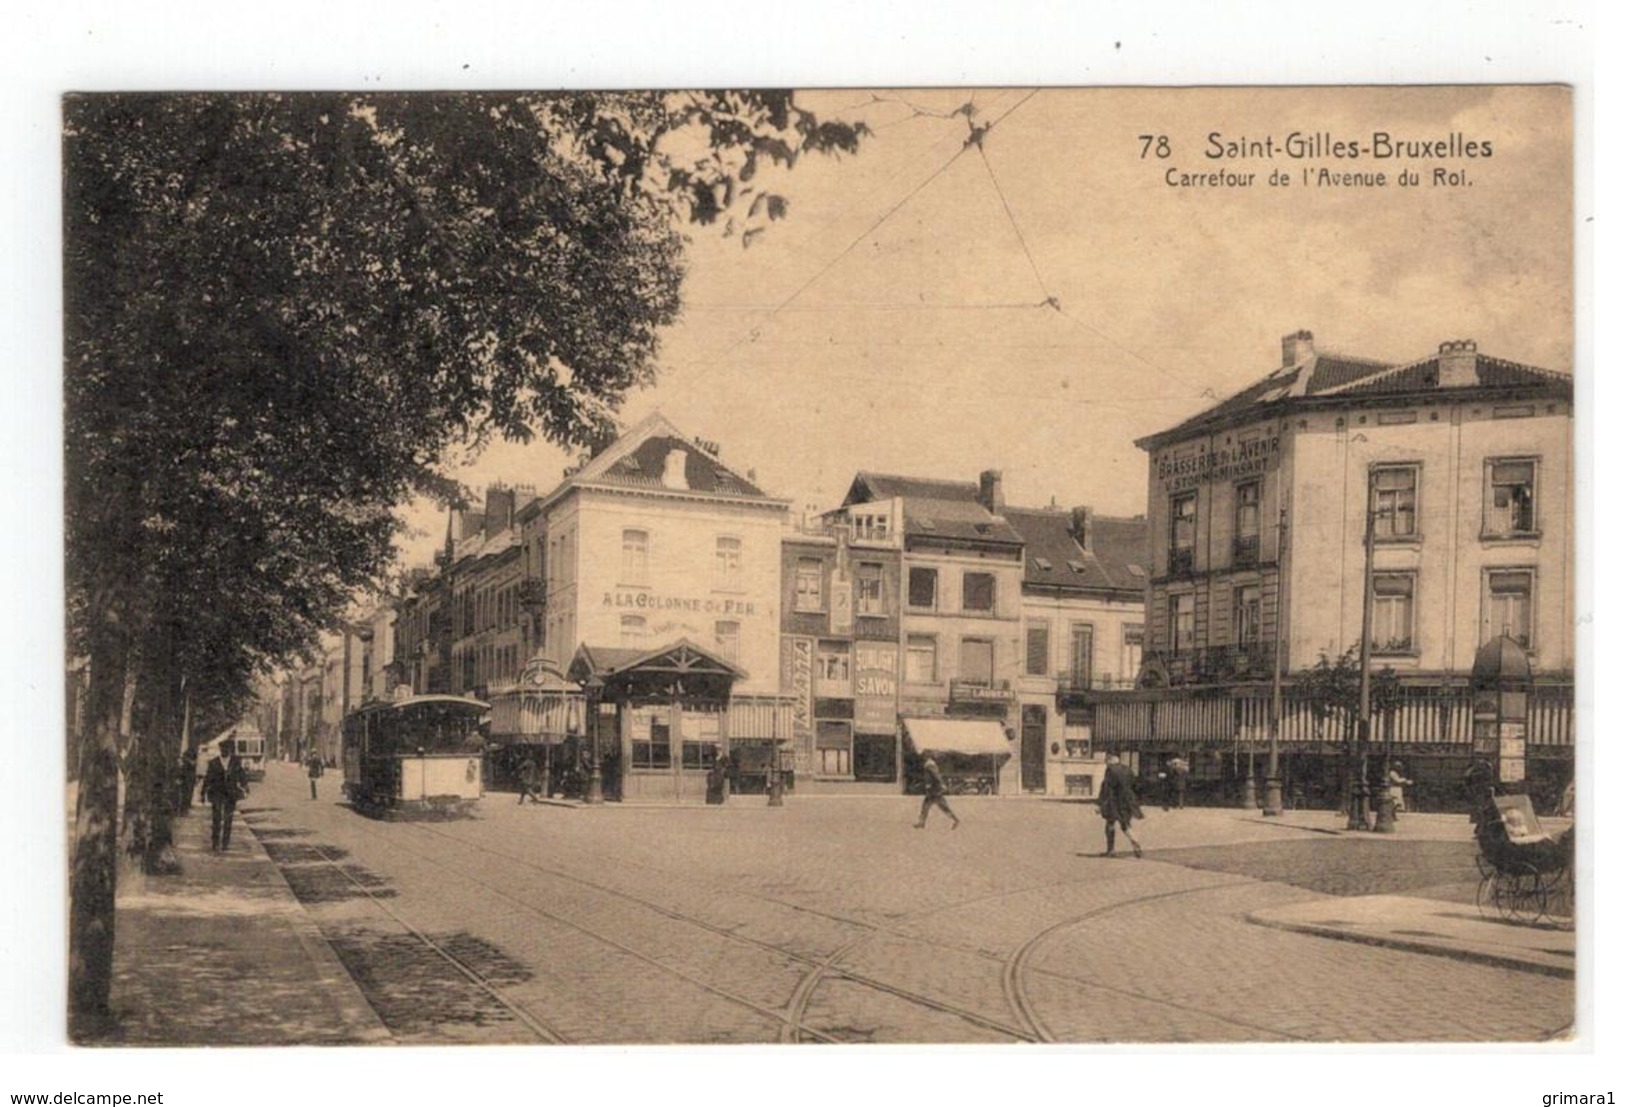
(970, 752)
(662, 722)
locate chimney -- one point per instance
(676, 473)
(498, 508)
(1458, 364)
(1082, 527)
(990, 493)
(1297, 347)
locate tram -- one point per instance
(419, 755)
(248, 743)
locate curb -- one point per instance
(360, 1019)
(1454, 952)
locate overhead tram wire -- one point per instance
(975, 139)
(1053, 301)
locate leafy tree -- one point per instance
(1332, 689)
(280, 313)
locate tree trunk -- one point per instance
(150, 789)
(93, 867)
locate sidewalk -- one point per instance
(1429, 926)
(224, 955)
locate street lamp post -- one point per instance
(595, 772)
(1358, 794)
(1272, 779)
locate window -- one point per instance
(700, 739)
(834, 742)
(1393, 607)
(1246, 543)
(699, 755)
(1081, 659)
(976, 661)
(727, 633)
(1181, 532)
(634, 556)
(833, 669)
(1037, 649)
(1509, 606)
(920, 666)
(1181, 622)
(1393, 501)
(809, 584)
(1133, 650)
(727, 564)
(651, 743)
(1249, 618)
(922, 588)
(1511, 504)
(871, 589)
(978, 592)
(634, 630)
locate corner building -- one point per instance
(1460, 463)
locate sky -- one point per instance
(1036, 304)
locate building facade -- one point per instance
(1459, 466)
(840, 650)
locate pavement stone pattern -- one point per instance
(832, 919)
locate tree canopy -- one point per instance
(281, 310)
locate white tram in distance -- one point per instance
(419, 755)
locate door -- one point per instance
(1034, 732)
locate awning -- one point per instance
(972, 736)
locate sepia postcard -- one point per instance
(850, 566)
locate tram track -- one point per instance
(542, 1030)
(1028, 1025)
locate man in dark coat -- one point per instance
(935, 796)
(530, 780)
(1118, 805)
(225, 782)
(314, 769)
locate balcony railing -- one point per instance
(1181, 562)
(1218, 664)
(532, 594)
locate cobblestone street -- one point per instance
(832, 920)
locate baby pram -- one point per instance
(1527, 875)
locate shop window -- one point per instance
(871, 588)
(921, 661)
(1037, 649)
(834, 748)
(922, 588)
(1249, 616)
(1509, 606)
(978, 592)
(634, 557)
(833, 668)
(1510, 505)
(1393, 502)
(976, 661)
(1081, 657)
(651, 747)
(728, 564)
(1182, 622)
(1181, 532)
(809, 584)
(727, 633)
(1393, 612)
(699, 755)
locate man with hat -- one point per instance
(225, 781)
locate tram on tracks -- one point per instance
(421, 755)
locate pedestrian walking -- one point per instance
(1180, 770)
(530, 781)
(935, 795)
(1396, 786)
(1118, 805)
(224, 783)
(314, 768)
